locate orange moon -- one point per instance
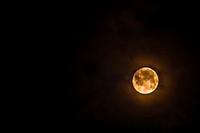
(145, 80)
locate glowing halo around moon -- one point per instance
(145, 80)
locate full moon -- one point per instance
(145, 80)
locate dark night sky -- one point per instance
(105, 43)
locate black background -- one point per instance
(104, 43)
